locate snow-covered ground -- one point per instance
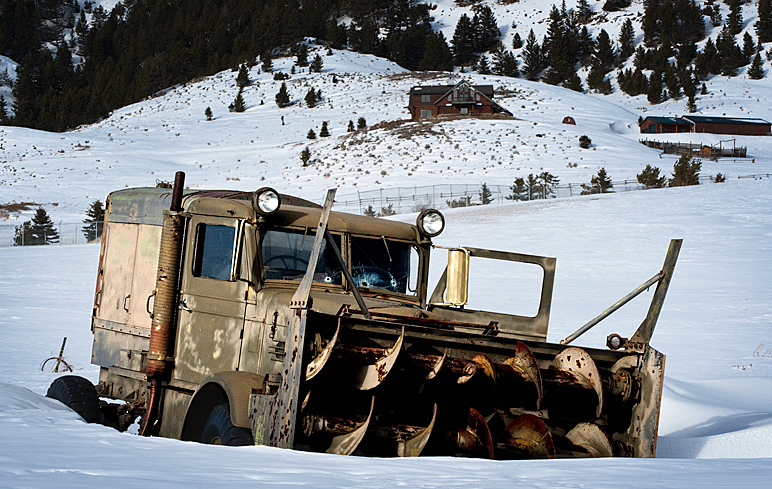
(715, 328)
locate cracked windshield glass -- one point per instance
(378, 263)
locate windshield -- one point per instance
(378, 263)
(286, 254)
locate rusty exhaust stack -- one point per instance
(165, 305)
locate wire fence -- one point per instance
(401, 200)
(69, 233)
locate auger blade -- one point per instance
(400, 440)
(370, 376)
(592, 439)
(315, 366)
(580, 366)
(485, 365)
(524, 364)
(340, 436)
(527, 437)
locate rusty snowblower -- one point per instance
(243, 318)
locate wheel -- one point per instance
(77, 394)
(219, 429)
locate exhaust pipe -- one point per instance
(165, 305)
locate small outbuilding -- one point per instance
(569, 120)
(428, 102)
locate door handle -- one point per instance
(184, 306)
(126, 300)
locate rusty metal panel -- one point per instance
(117, 272)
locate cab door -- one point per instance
(212, 300)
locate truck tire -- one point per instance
(219, 430)
(77, 394)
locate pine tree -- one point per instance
(242, 79)
(626, 41)
(485, 195)
(583, 11)
(532, 58)
(313, 97)
(3, 112)
(463, 42)
(238, 104)
(40, 231)
(599, 184)
(486, 28)
(686, 171)
(715, 16)
(267, 62)
(604, 51)
(305, 156)
(650, 177)
(764, 23)
(517, 41)
(94, 221)
(735, 18)
(756, 72)
(361, 123)
(585, 141)
(575, 83)
(437, 55)
(311, 134)
(482, 65)
(350, 127)
(316, 64)
(504, 63)
(283, 98)
(729, 53)
(691, 105)
(302, 57)
(519, 190)
(325, 132)
(654, 94)
(749, 48)
(208, 113)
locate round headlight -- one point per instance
(430, 222)
(266, 201)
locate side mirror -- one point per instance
(457, 292)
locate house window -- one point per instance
(477, 96)
(426, 98)
(464, 111)
(426, 114)
(702, 130)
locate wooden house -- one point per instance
(427, 102)
(740, 126)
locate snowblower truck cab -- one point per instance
(256, 318)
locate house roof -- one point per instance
(669, 120)
(486, 90)
(698, 119)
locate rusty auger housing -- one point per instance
(298, 327)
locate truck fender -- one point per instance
(231, 387)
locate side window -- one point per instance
(214, 251)
(377, 263)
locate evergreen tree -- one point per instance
(583, 11)
(302, 57)
(350, 127)
(361, 123)
(485, 195)
(575, 83)
(267, 62)
(437, 55)
(650, 177)
(305, 156)
(238, 104)
(463, 42)
(505, 63)
(316, 64)
(283, 98)
(311, 134)
(486, 30)
(208, 113)
(313, 97)
(691, 105)
(715, 16)
(735, 18)
(585, 142)
(654, 94)
(94, 221)
(686, 171)
(755, 72)
(532, 57)
(729, 53)
(764, 23)
(605, 52)
(596, 79)
(749, 48)
(626, 41)
(324, 131)
(519, 190)
(4, 121)
(517, 41)
(40, 231)
(482, 65)
(242, 79)
(599, 184)
(586, 46)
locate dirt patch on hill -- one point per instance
(15, 208)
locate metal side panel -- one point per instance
(117, 272)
